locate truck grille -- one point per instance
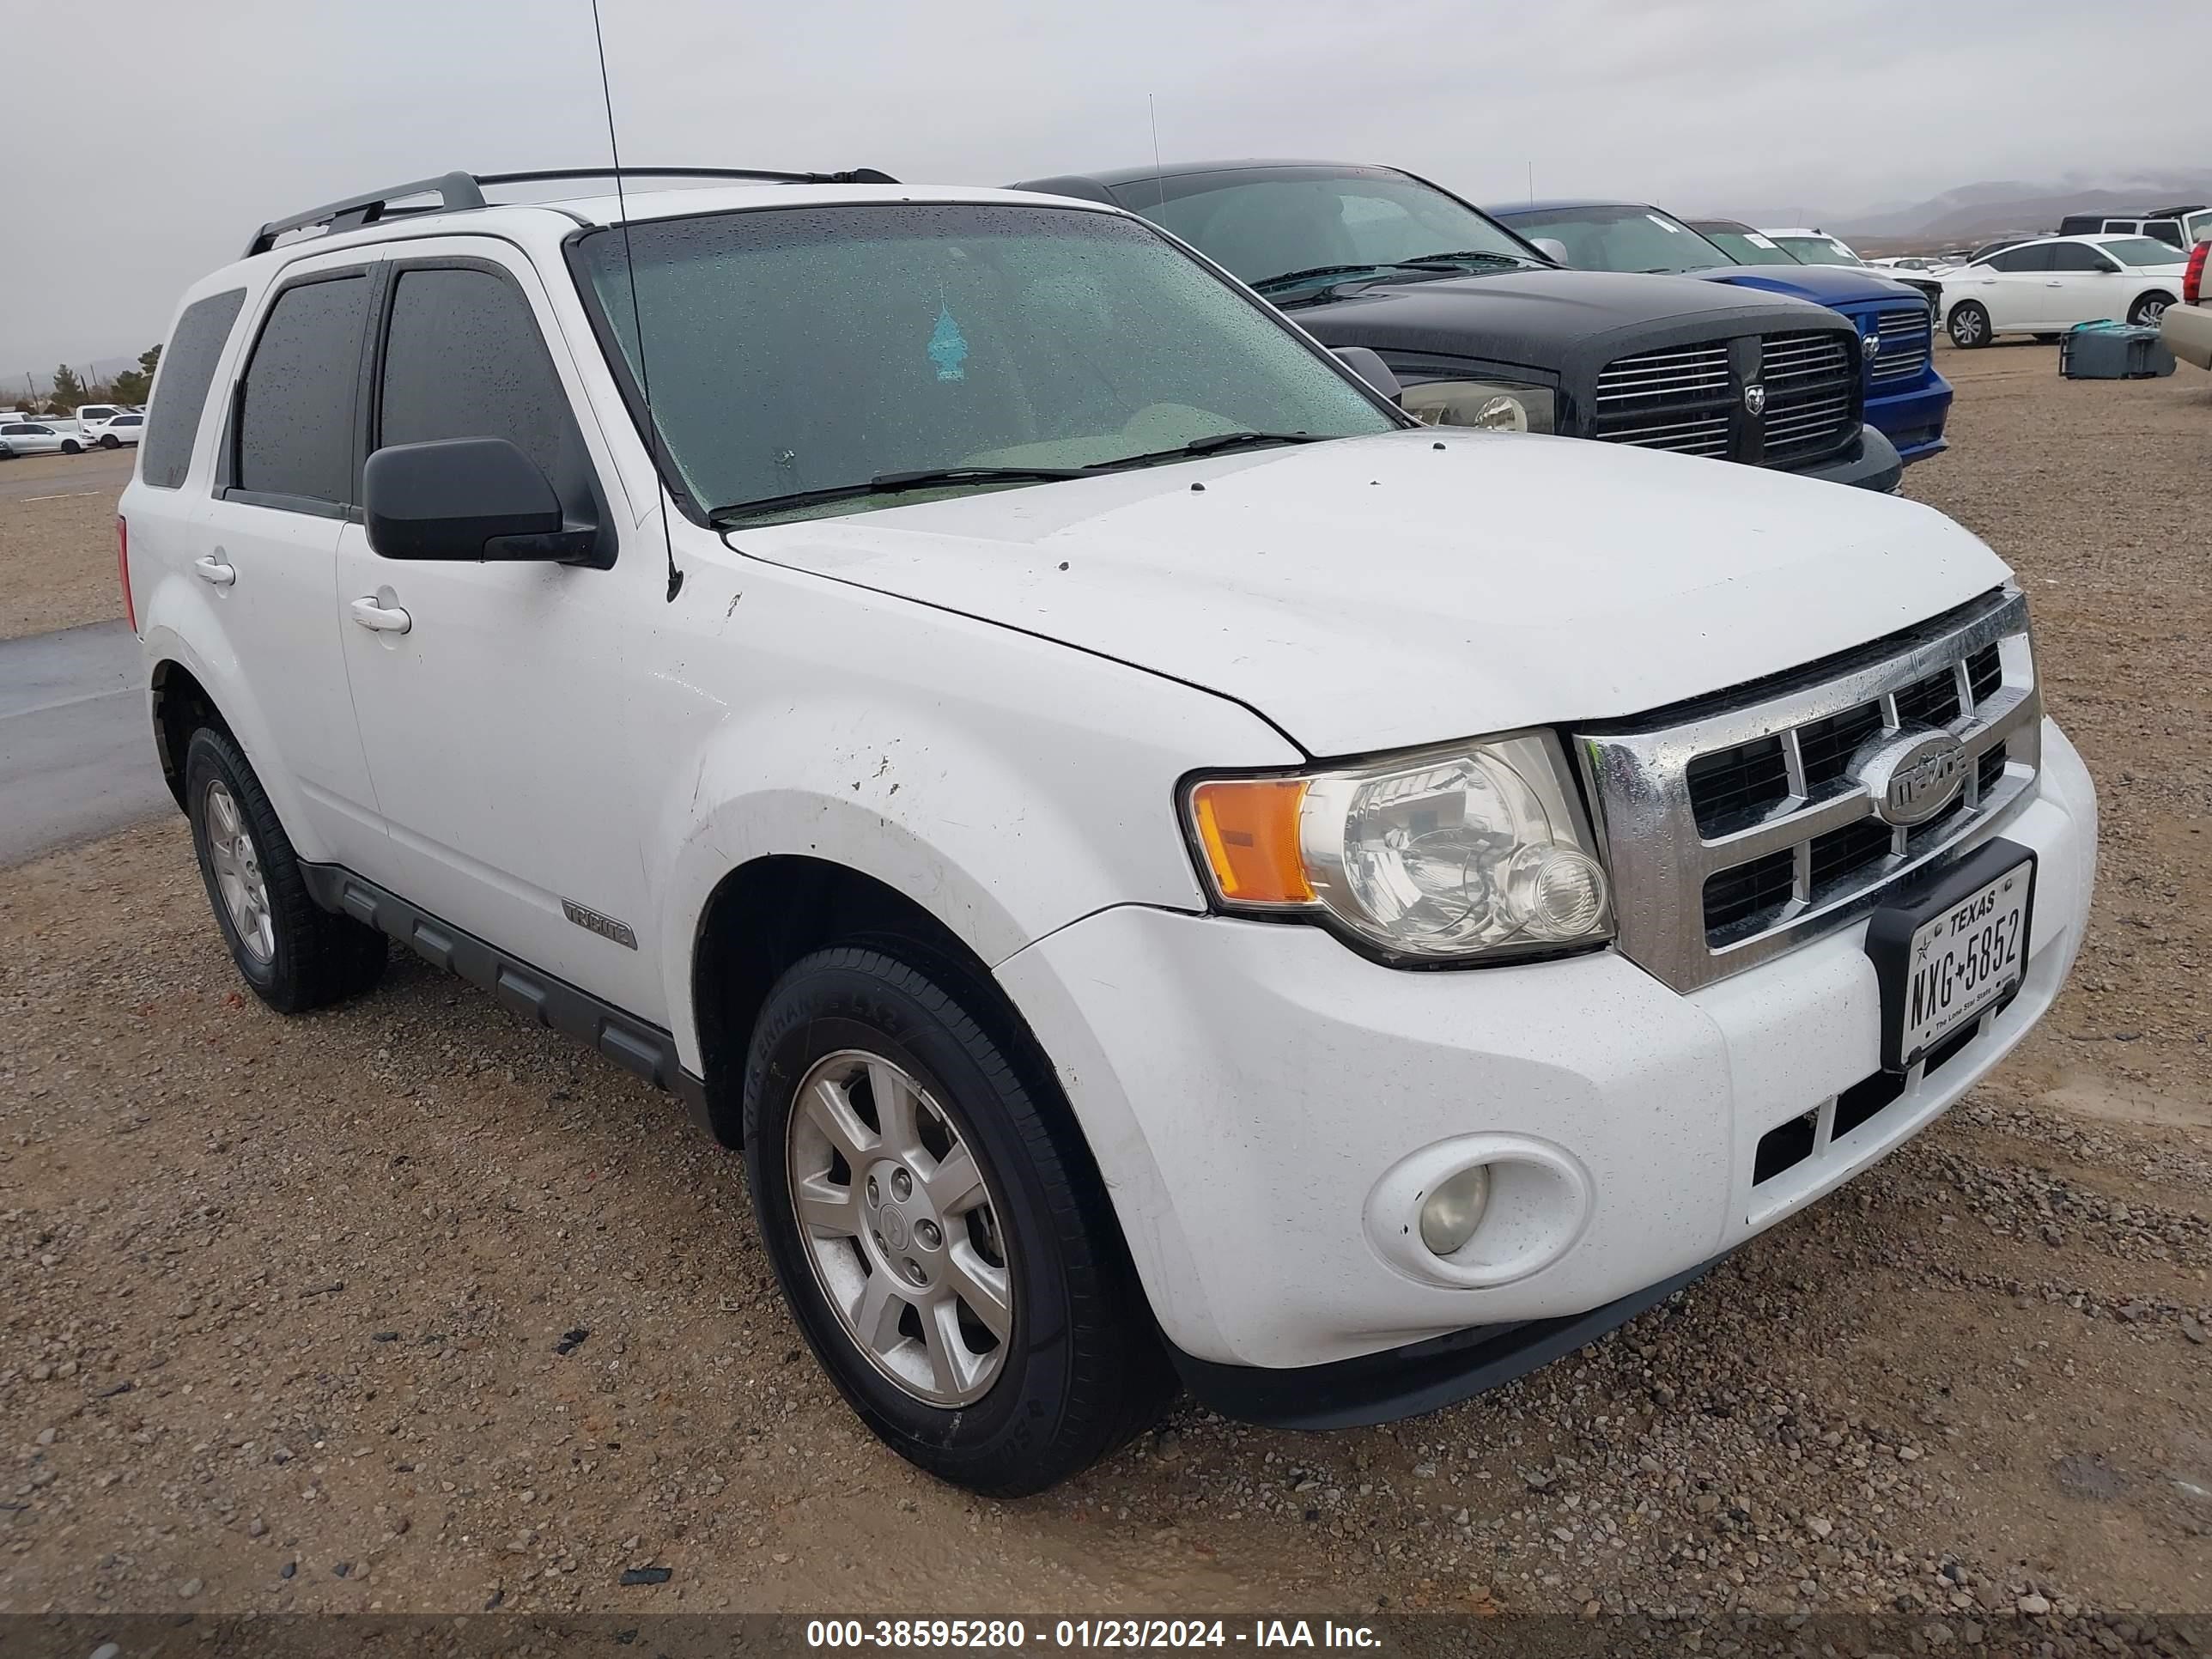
(1690, 399)
(1905, 342)
(1737, 829)
(1679, 399)
(1810, 381)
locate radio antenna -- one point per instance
(636, 317)
(1159, 179)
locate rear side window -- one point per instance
(2017, 260)
(295, 412)
(2078, 256)
(187, 370)
(462, 358)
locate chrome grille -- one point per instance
(1738, 830)
(1905, 344)
(1810, 381)
(1651, 376)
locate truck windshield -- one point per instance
(1820, 251)
(1270, 224)
(1746, 246)
(1623, 238)
(795, 356)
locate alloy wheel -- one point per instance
(900, 1227)
(238, 874)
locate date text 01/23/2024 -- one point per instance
(1009, 1635)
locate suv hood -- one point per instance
(1377, 592)
(1827, 285)
(1541, 319)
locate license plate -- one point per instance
(1953, 950)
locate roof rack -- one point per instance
(461, 192)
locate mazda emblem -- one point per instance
(1910, 776)
(1755, 398)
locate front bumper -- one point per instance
(1873, 463)
(1913, 419)
(1249, 1089)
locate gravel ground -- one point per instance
(410, 1307)
(58, 540)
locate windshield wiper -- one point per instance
(891, 484)
(1480, 256)
(1314, 273)
(1208, 445)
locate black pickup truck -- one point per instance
(1482, 329)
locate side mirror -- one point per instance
(466, 499)
(1363, 362)
(1552, 248)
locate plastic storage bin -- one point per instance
(2113, 351)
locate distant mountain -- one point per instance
(1993, 209)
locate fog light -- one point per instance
(1450, 1214)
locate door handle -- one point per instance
(2054, 285)
(209, 568)
(382, 618)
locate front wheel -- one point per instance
(937, 1225)
(2148, 310)
(1969, 326)
(71, 447)
(109, 441)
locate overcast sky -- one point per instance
(214, 116)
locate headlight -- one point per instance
(1499, 405)
(1476, 849)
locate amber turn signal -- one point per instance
(1248, 828)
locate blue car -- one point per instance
(1906, 398)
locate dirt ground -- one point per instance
(58, 540)
(285, 1305)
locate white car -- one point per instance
(120, 431)
(1174, 871)
(1813, 248)
(2048, 284)
(40, 438)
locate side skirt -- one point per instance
(630, 1043)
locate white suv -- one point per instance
(1175, 872)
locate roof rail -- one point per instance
(458, 191)
(455, 191)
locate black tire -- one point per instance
(109, 441)
(315, 959)
(1968, 326)
(1082, 1371)
(71, 447)
(2146, 311)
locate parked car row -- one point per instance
(2047, 284)
(1485, 318)
(1201, 860)
(96, 427)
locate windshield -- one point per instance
(1820, 251)
(1746, 246)
(799, 350)
(1264, 222)
(2141, 251)
(1622, 238)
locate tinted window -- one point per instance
(815, 348)
(128, 420)
(2077, 256)
(296, 420)
(2142, 251)
(2035, 257)
(188, 362)
(462, 359)
(1269, 222)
